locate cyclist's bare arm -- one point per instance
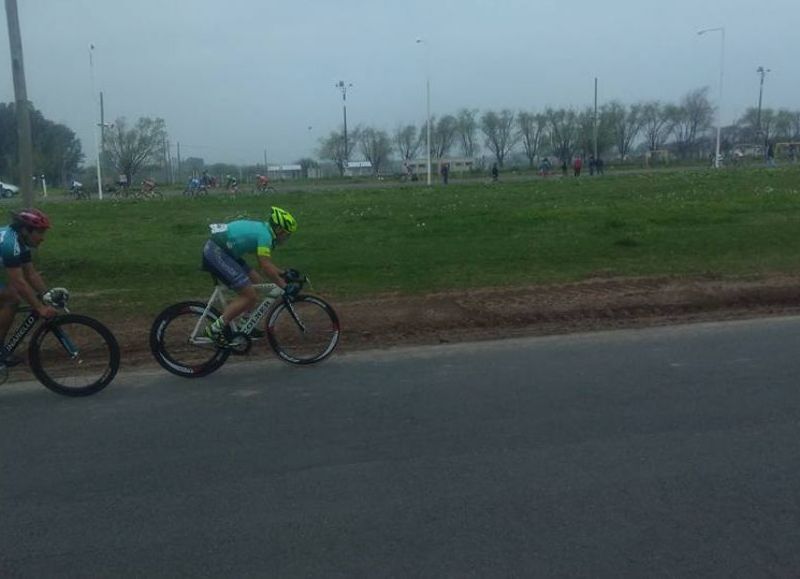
(33, 278)
(18, 280)
(271, 271)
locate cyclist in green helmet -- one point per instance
(223, 256)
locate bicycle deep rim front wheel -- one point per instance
(74, 355)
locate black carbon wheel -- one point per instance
(74, 355)
(177, 341)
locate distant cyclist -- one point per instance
(262, 183)
(148, 185)
(193, 186)
(26, 231)
(223, 256)
(231, 183)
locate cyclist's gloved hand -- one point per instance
(291, 290)
(57, 297)
(292, 276)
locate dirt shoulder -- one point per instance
(391, 320)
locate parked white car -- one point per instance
(8, 190)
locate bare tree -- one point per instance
(690, 119)
(563, 129)
(407, 141)
(625, 123)
(466, 129)
(531, 132)
(784, 120)
(499, 132)
(585, 141)
(755, 129)
(129, 149)
(443, 134)
(332, 148)
(376, 146)
(655, 124)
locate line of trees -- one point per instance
(685, 129)
(57, 151)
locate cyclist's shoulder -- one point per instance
(8, 234)
(10, 243)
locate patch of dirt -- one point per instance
(602, 303)
(384, 321)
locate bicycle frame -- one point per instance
(20, 333)
(24, 329)
(273, 292)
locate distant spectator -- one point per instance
(445, 171)
(544, 167)
(564, 168)
(592, 165)
(577, 164)
(599, 165)
(770, 155)
(495, 172)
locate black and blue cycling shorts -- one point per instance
(231, 270)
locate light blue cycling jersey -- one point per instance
(243, 237)
(13, 251)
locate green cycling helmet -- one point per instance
(283, 219)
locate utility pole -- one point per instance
(762, 72)
(25, 146)
(102, 131)
(178, 170)
(595, 119)
(266, 167)
(341, 85)
(94, 131)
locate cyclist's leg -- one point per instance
(234, 273)
(9, 300)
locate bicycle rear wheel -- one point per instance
(178, 343)
(74, 355)
(303, 331)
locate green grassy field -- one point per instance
(135, 257)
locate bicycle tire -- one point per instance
(56, 367)
(170, 356)
(309, 344)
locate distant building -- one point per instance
(358, 168)
(283, 172)
(457, 165)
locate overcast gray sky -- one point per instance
(235, 77)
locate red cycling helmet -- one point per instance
(32, 218)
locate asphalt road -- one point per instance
(665, 452)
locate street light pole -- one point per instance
(594, 128)
(427, 101)
(94, 129)
(341, 85)
(721, 30)
(762, 73)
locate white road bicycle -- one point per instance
(301, 330)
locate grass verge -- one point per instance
(134, 257)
